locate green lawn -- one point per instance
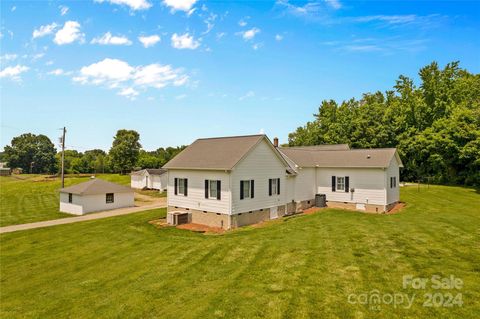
(300, 267)
(32, 198)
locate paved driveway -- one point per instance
(69, 220)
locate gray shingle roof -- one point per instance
(214, 153)
(377, 157)
(150, 171)
(96, 186)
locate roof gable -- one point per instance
(221, 153)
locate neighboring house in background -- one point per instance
(95, 195)
(234, 181)
(4, 169)
(149, 178)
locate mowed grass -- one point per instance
(300, 267)
(32, 198)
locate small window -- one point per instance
(393, 182)
(110, 198)
(70, 197)
(341, 183)
(213, 189)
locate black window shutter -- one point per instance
(333, 183)
(252, 188)
(176, 186)
(219, 190)
(206, 188)
(270, 187)
(186, 187)
(241, 190)
(390, 182)
(278, 186)
(347, 184)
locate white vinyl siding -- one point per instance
(149, 181)
(94, 203)
(368, 184)
(196, 190)
(393, 193)
(259, 165)
(305, 184)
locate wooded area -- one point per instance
(435, 126)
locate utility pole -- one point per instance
(63, 156)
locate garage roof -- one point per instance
(96, 186)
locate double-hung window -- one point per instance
(340, 183)
(274, 186)
(213, 189)
(181, 186)
(247, 189)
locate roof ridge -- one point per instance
(225, 137)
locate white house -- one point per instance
(150, 179)
(95, 195)
(234, 181)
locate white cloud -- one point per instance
(220, 35)
(149, 41)
(184, 41)
(13, 8)
(129, 93)
(13, 72)
(8, 57)
(257, 46)
(242, 23)
(180, 5)
(118, 74)
(247, 95)
(180, 97)
(107, 70)
(63, 10)
(69, 33)
(56, 72)
(391, 19)
(249, 34)
(278, 37)
(335, 4)
(133, 4)
(38, 56)
(44, 30)
(108, 39)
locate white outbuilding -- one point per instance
(149, 178)
(95, 195)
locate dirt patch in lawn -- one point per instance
(201, 228)
(397, 208)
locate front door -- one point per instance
(273, 212)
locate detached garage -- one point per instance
(149, 178)
(95, 195)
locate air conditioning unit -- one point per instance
(178, 218)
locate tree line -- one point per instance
(37, 154)
(435, 126)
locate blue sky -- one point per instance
(179, 70)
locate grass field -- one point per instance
(300, 267)
(32, 198)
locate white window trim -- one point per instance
(247, 195)
(181, 181)
(210, 189)
(274, 183)
(338, 183)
